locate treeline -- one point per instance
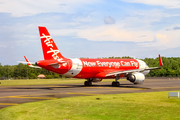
(23, 71)
(171, 68)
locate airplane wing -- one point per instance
(130, 71)
(124, 72)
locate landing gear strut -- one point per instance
(88, 82)
(116, 83)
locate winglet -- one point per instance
(160, 61)
(29, 64)
(27, 61)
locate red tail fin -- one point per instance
(50, 49)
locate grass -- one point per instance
(38, 81)
(44, 81)
(131, 106)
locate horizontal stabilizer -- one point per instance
(26, 62)
(61, 62)
(30, 63)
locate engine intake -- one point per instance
(136, 78)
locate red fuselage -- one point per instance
(90, 68)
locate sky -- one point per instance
(90, 28)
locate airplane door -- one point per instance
(75, 69)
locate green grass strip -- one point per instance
(134, 106)
(38, 81)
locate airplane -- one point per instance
(93, 70)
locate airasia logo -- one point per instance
(49, 43)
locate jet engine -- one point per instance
(96, 79)
(136, 78)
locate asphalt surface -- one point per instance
(14, 95)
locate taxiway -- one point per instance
(14, 95)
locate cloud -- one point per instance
(162, 39)
(113, 33)
(165, 3)
(176, 28)
(136, 28)
(2, 46)
(109, 20)
(143, 36)
(107, 33)
(19, 8)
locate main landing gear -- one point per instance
(88, 82)
(116, 83)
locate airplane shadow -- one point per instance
(79, 86)
(122, 86)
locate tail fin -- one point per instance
(50, 49)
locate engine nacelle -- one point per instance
(96, 79)
(136, 78)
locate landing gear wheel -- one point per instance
(90, 83)
(115, 84)
(87, 83)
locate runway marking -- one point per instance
(12, 89)
(42, 94)
(16, 89)
(27, 96)
(165, 87)
(106, 87)
(119, 88)
(105, 91)
(31, 97)
(82, 93)
(173, 78)
(8, 104)
(112, 90)
(55, 86)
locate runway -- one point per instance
(14, 95)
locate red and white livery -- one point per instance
(94, 70)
